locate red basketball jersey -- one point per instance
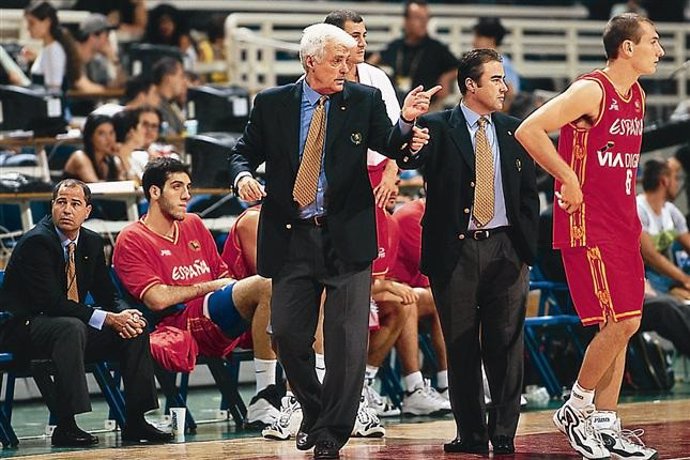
(406, 267)
(605, 157)
(233, 253)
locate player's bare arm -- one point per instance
(578, 104)
(162, 296)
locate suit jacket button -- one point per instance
(461, 236)
(466, 210)
(288, 226)
(472, 184)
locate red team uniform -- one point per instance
(406, 265)
(233, 254)
(600, 243)
(381, 264)
(144, 258)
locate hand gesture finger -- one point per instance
(431, 92)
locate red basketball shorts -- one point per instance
(606, 281)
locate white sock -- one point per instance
(370, 373)
(442, 379)
(320, 366)
(580, 398)
(289, 393)
(265, 371)
(413, 381)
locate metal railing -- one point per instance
(262, 49)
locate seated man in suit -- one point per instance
(170, 262)
(51, 270)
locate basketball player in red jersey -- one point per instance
(600, 117)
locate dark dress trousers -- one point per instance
(303, 259)
(480, 286)
(46, 324)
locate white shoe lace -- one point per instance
(633, 437)
(287, 411)
(590, 432)
(372, 395)
(433, 393)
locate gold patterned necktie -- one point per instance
(483, 209)
(307, 179)
(71, 270)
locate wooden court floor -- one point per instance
(666, 425)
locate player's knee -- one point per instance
(629, 326)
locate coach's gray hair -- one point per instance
(317, 36)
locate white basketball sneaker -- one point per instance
(382, 405)
(623, 444)
(367, 424)
(577, 426)
(288, 422)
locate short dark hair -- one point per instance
(164, 66)
(136, 85)
(69, 183)
(490, 27)
(338, 18)
(623, 27)
(409, 3)
(471, 65)
(652, 172)
(124, 121)
(158, 171)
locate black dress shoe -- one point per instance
(503, 445)
(144, 432)
(326, 449)
(72, 436)
(458, 445)
(302, 440)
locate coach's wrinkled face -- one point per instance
(173, 199)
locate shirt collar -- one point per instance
(311, 95)
(472, 117)
(64, 240)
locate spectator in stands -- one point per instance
(128, 16)
(489, 33)
(168, 26)
(49, 274)
(140, 90)
(57, 66)
(663, 224)
(130, 132)
(99, 58)
(629, 6)
(171, 85)
(212, 49)
(170, 262)
(418, 59)
(97, 161)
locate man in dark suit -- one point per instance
(323, 238)
(51, 270)
(479, 234)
